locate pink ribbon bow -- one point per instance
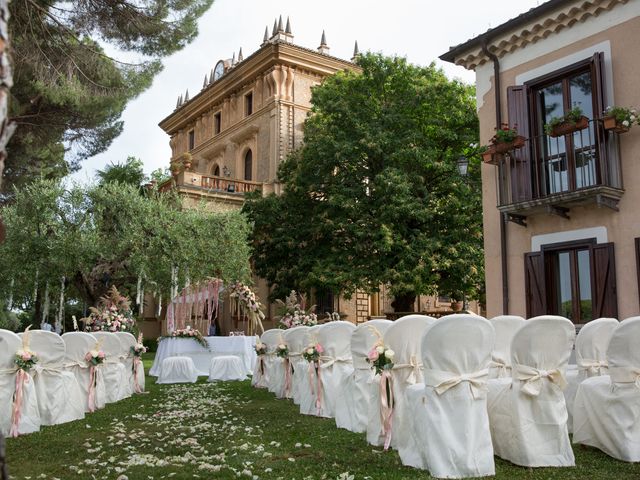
(22, 377)
(386, 406)
(136, 385)
(92, 388)
(287, 378)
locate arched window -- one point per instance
(216, 171)
(248, 165)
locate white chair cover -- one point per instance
(177, 370)
(295, 338)
(352, 411)
(505, 327)
(133, 371)
(335, 367)
(275, 364)
(404, 338)
(29, 421)
(448, 411)
(528, 416)
(607, 408)
(77, 345)
(284, 384)
(116, 380)
(307, 397)
(226, 367)
(591, 358)
(60, 398)
(262, 370)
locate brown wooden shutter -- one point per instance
(603, 281)
(534, 284)
(599, 85)
(518, 108)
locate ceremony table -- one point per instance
(242, 347)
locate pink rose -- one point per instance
(319, 348)
(373, 355)
(26, 356)
(100, 354)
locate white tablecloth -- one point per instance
(242, 347)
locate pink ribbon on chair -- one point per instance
(318, 389)
(136, 385)
(386, 406)
(287, 378)
(92, 388)
(22, 377)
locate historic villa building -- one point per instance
(561, 209)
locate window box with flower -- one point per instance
(573, 121)
(619, 119)
(505, 140)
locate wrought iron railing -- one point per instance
(548, 166)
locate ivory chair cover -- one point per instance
(607, 408)
(335, 366)
(528, 416)
(591, 358)
(29, 422)
(404, 338)
(284, 388)
(352, 410)
(177, 370)
(132, 372)
(264, 364)
(60, 398)
(505, 327)
(116, 381)
(275, 380)
(448, 412)
(226, 367)
(77, 345)
(307, 390)
(295, 338)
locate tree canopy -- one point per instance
(109, 234)
(374, 196)
(73, 75)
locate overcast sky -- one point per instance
(420, 30)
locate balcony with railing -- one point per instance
(552, 174)
(196, 183)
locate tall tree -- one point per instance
(374, 195)
(73, 76)
(130, 172)
(104, 235)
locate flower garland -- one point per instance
(261, 348)
(282, 350)
(246, 303)
(113, 314)
(380, 358)
(187, 333)
(293, 312)
(25, 359)
(312, 352)
(95, 357)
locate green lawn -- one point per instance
(230, 430)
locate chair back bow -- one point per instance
(533, 378)
(500, 365)
(625, 375)
(326, 361)
(415, 367)
(593, 368)
(442, 381)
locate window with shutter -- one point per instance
(603, 271)
(520, 164)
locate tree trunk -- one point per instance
(6, 130)
(404, 302)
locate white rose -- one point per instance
(389, 354)
(94, 353)
(380, 349)
(625, 123)
(282, 346)
(20, 353)
(309, 351)
(139, 346)
(632, 118)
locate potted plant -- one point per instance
(187, 160)
(619, 119)
(572, 121)
(504, 140)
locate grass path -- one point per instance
(230, 431)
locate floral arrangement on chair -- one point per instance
(246, 303)
(138, 349)
(380, 358)
(25, 359)
(113, 314)
(312, 352)
(95, 357)
(187, 333)
(293, 312)
(282, 350)
(261, 348)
